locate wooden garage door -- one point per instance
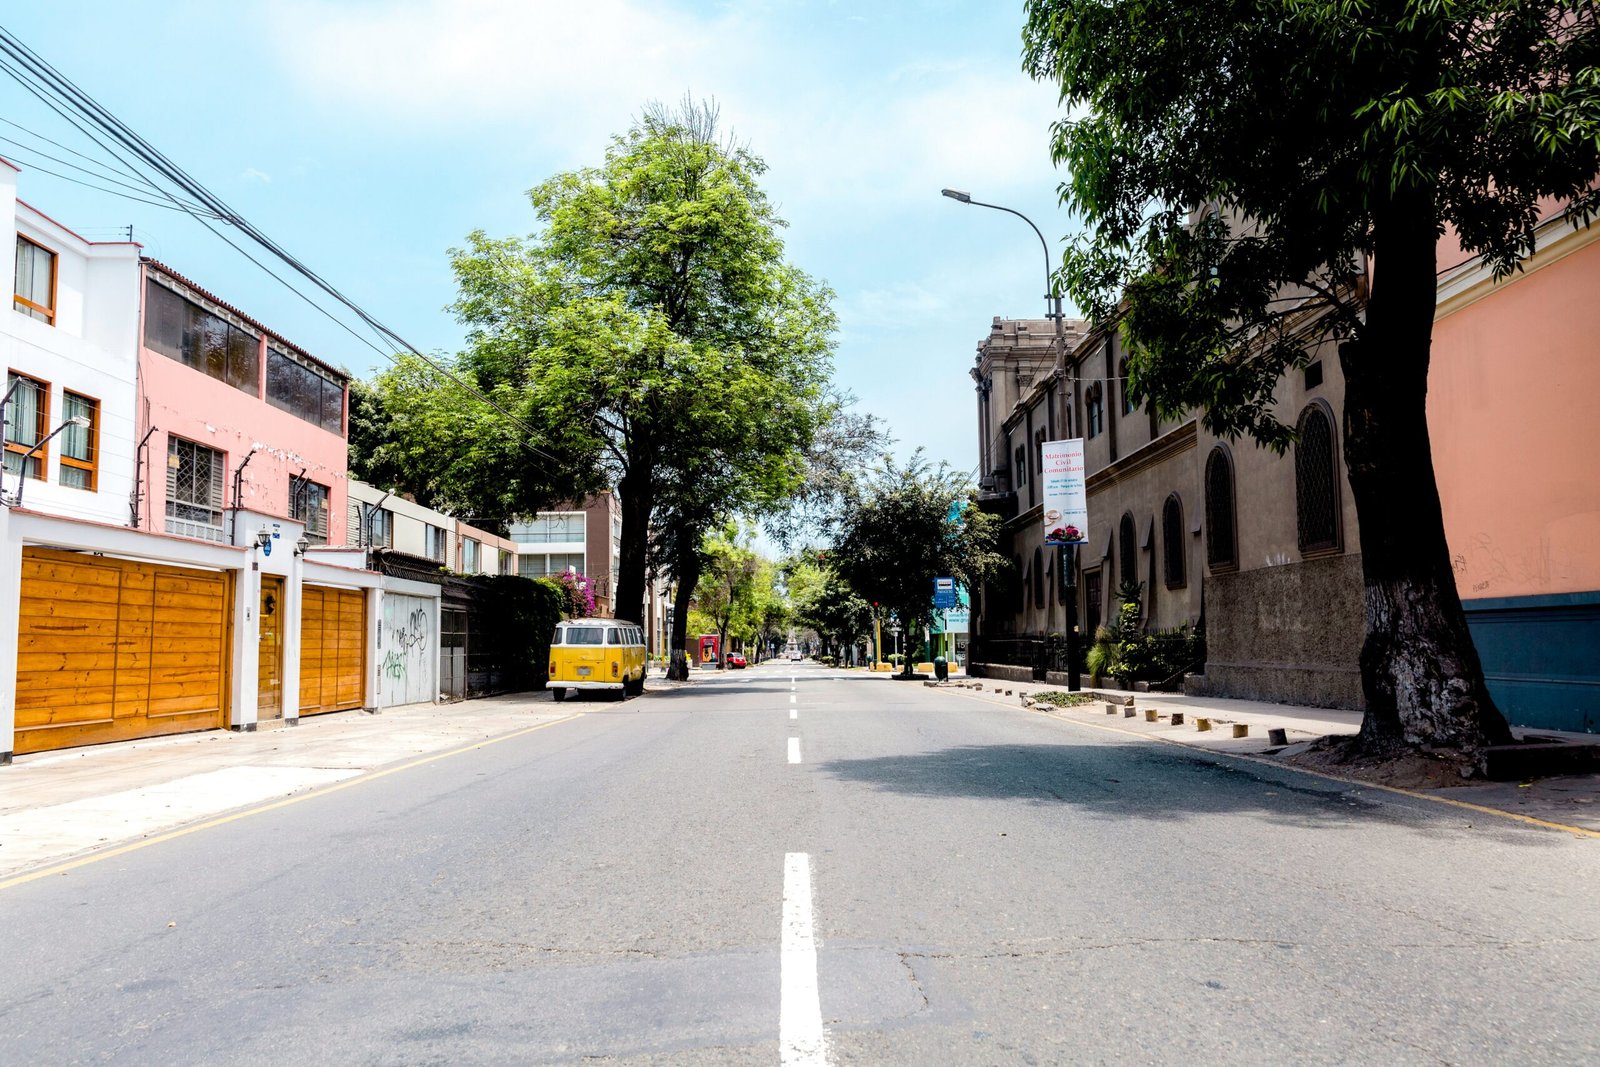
(333, 639)
(109, 649)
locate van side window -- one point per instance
(613, 636)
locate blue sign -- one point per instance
(944, 593)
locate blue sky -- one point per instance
(369, 136)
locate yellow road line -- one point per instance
(1467, 805)
(319, 791)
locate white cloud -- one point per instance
(251, 174)
(570, 75)
(566, 69)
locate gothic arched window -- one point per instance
(1316, 481)
(1172, 542)
(1222, 546)
(1127, 551)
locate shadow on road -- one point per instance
(1139, 781)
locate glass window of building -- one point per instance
(80, 444)
(308, 503)
(201, 338)
(36, 281)
(194, 490)
(27, 421)
(305, 390)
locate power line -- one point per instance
(87, 107)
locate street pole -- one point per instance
(1052, 310)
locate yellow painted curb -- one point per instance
(317, 791)
(1465, 805)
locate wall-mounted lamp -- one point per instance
(263, 537)
(301, 545)
(22, 482)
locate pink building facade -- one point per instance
(232, 415)
(1516, 449)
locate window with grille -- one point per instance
(1222, 548)
(308, 503)
(1094, 410)
(36, 281)
(1172, 542)
(1316, 484)
(80, 445)
(198, 337)
(195, 479)
(1127, 551)
(27, 421)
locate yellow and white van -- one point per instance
(604, 654)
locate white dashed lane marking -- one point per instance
(801, 1041)
(794, 750)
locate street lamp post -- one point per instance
(1052, 310)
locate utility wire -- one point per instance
(85, 106)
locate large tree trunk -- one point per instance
(686, 573)
(1419, 669)
(638, 499)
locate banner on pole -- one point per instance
(1066, 501)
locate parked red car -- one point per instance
(736, 661)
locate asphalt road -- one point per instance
(841, 869)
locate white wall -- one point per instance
(409, 522)
(92, 349)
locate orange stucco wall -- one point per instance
(1516, 437)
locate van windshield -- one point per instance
(585, 635)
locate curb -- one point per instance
(1177, 718)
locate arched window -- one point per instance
(1172, 542)
(1038, 578)
(1316, 483)
(1094, 417)
(1127, 551)
(1222, 546)
(1123, 384)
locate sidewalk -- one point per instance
(1568, 800)
(57, 805)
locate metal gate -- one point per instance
(452, 654)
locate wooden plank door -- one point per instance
(269, 655)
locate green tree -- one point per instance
(900, 536)
(1238, 163)
(726, 592)
(416, 432)
(654, 327)
(832, 607)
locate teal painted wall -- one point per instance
(1541, 658)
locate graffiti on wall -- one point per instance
(406, 672)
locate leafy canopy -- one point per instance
(1232, 160)
(899, 536)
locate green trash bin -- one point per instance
(941, 668)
